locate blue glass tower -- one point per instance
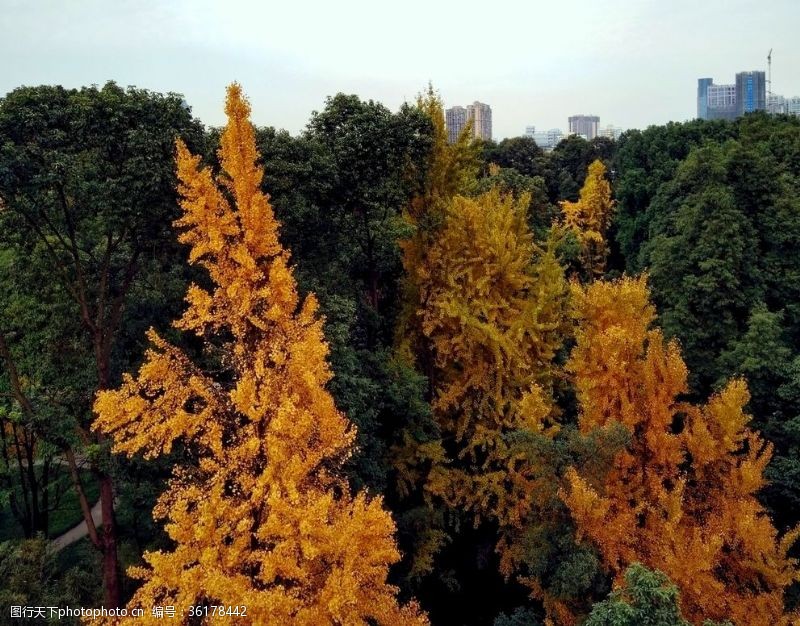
(702, 97)
(751, 92)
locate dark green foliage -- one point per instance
(339, 190)
(519, 153)
(647, 599)
(31, 575)
(645, 160)
(88, 196)
(520, 617)
(544, 548)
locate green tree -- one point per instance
(87, 187)
(648, 598)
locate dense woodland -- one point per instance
(363, 376)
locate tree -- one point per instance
(646, 159)
(450, 170)
(370, 154)
(520, 153)
(589, 219)
(494, 313)
(682, 497)
(541, 213)
(262, 517)
(648, 597)
(710, 208)
(30, 576)
(87, 190)
(339, 189)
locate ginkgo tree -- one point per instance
(682, 497)
(589, 219)
(494, 312)
(259, 514)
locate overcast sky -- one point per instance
(632, 62)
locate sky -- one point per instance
(632, 62)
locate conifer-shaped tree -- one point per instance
(259, 514)
(450, 169)
(682, 497)
(494, 314)
(589, 219)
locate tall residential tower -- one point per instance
(478, 113)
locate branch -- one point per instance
(86, 509)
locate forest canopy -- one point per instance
(366, 375)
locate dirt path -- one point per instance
(76, 533)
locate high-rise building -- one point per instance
(610, 131)
(702, 97)
(478, 113)
(585, 125)
(481, 116)
(793, 106)
(530, 131)
(455, 119)
(720, 102)
(751, 92)
(727, 102)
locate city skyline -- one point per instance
(638, 69)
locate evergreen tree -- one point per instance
(647, 598)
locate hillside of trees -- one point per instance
(364, 376)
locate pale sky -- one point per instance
(632, 62)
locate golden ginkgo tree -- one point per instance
(493, 309)
(259, 514)
(682, 497)
(589, 219)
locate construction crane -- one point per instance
(769, 75)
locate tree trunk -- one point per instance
(111, 577)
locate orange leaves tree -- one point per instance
(681, 497)
(589, 218)
(494, 308)
(260, 514)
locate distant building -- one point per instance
(478, 113)
(585, 125)
(793, 106)
(776, 105)
(455, 119)
(751, 92)
(610, 131)
(545, 139)
(530, 131)
(727, 102)
(481, 116)
(702, 97)
(721, 101)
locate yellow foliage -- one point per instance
(263, 517)
(681, 498)
(494, 312)
(450, 170)
(590, 217)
